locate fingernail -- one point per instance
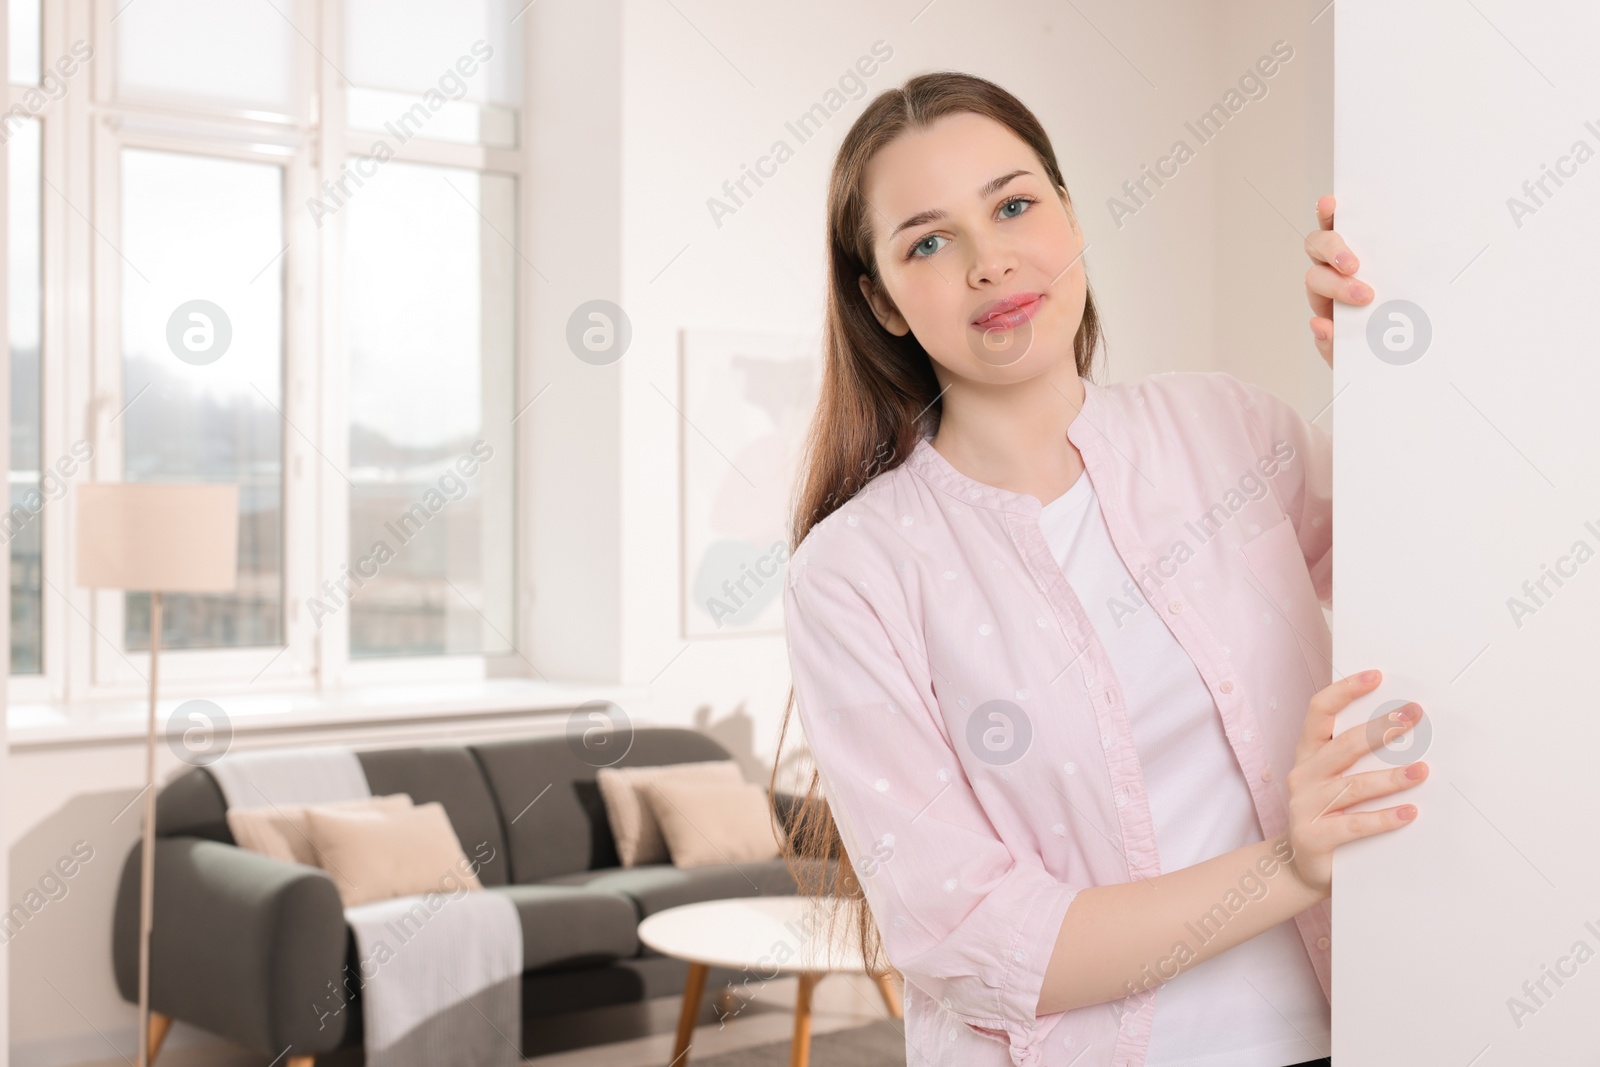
(1360, 292)
(1409, 713)
(1415, 771)
(1407, 812)
(1369, 676)
(1345, 261)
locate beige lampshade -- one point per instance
(158, 537)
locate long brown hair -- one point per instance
(878, 397)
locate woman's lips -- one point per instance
(1011, 319)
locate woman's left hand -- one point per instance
(1330, 278)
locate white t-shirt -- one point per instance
(1249, 1005)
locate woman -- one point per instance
(1058, 648)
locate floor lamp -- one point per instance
(155, 538)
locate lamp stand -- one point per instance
(147, 859)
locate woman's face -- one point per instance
(965, 224)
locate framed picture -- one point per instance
(747, 400)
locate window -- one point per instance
(202, 54)
(293, 274)
(430, 290)
(202, 371)
(21, 525)
(23, 35)
(397, 51)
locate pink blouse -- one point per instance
(971, 734)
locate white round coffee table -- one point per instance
(765, 937)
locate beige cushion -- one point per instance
(633, 825)
(281, 831)
(709, 822)
(376, 855)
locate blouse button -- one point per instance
(1175, 607)
(1041, 621)
(1226, 687)
(1323, 942)
(1266, 775)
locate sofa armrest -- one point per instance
(244, 946)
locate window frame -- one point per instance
(82, 137)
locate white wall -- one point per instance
(645, 109)
(1474, 471)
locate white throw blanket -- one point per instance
(442, 984)
(290, 776)
(440, 973)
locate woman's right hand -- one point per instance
(1319, 790)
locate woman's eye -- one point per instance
(922, 249)
(1020, 201)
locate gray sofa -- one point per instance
(255, 950)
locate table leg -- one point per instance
(891, 994)
(159, 1025)
(800, 1050)
(693, 988)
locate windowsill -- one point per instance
(53, 724)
